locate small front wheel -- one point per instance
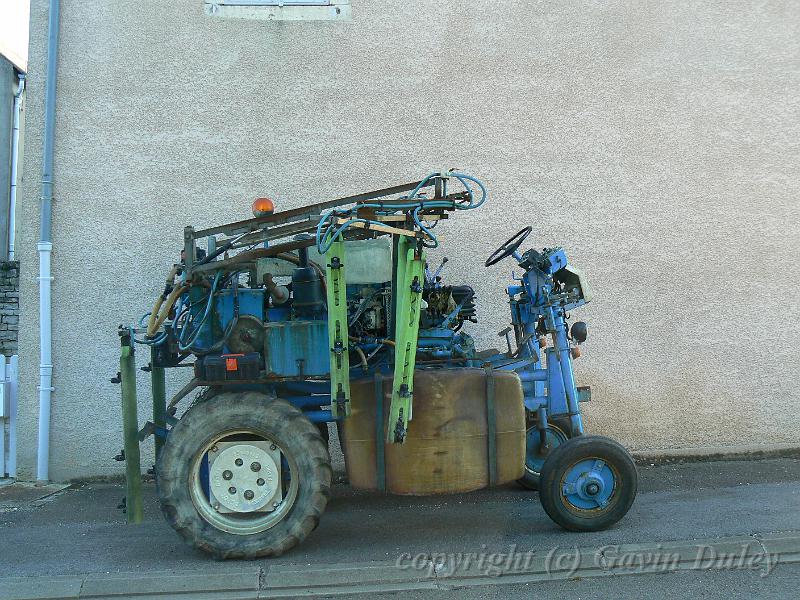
(588, 483)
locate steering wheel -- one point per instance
(509, 247)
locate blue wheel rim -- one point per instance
(534, 460)
(589, 484)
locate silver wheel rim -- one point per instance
(241, 523)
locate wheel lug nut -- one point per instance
(260, 481)
(249, 495)
(231, 490)
(255, 467)
(239, 462)
(227, 475)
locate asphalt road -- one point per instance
(81, 531)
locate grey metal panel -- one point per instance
(368, 261)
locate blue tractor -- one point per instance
(329, 314)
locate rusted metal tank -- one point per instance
(449, 442)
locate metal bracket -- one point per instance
(410, 273)
(338, 331)
(151, 428)
(130, 428)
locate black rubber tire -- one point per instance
(282, 422)
(573, 451)
(530, 480)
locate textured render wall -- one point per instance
(657, 141)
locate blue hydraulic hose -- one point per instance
(183, 344)
(424, 228)
(326, 238)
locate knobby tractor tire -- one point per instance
(271, 417)
(563, 458)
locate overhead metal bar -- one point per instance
(278, 232)
(304, 212)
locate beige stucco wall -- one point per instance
(656, 141)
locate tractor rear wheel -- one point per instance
(588, 483)
(244, 475)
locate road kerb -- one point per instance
(424, 571)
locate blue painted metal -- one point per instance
(308, 401)
(320, 416)
(279, 313)
(435, 337)
(555, 383)
(533, 457)
(533, 402)
(554, 321)
(307, 387)
(443, 342)
(198, 329)
(550, 383)
(534, 375)
(589, 484)
(297, 348)
(251, 302)
(537, 303)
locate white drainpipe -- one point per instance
(12, 207)
(45, 247)
(13, 390)
(45, 361)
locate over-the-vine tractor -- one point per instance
(329, 313)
